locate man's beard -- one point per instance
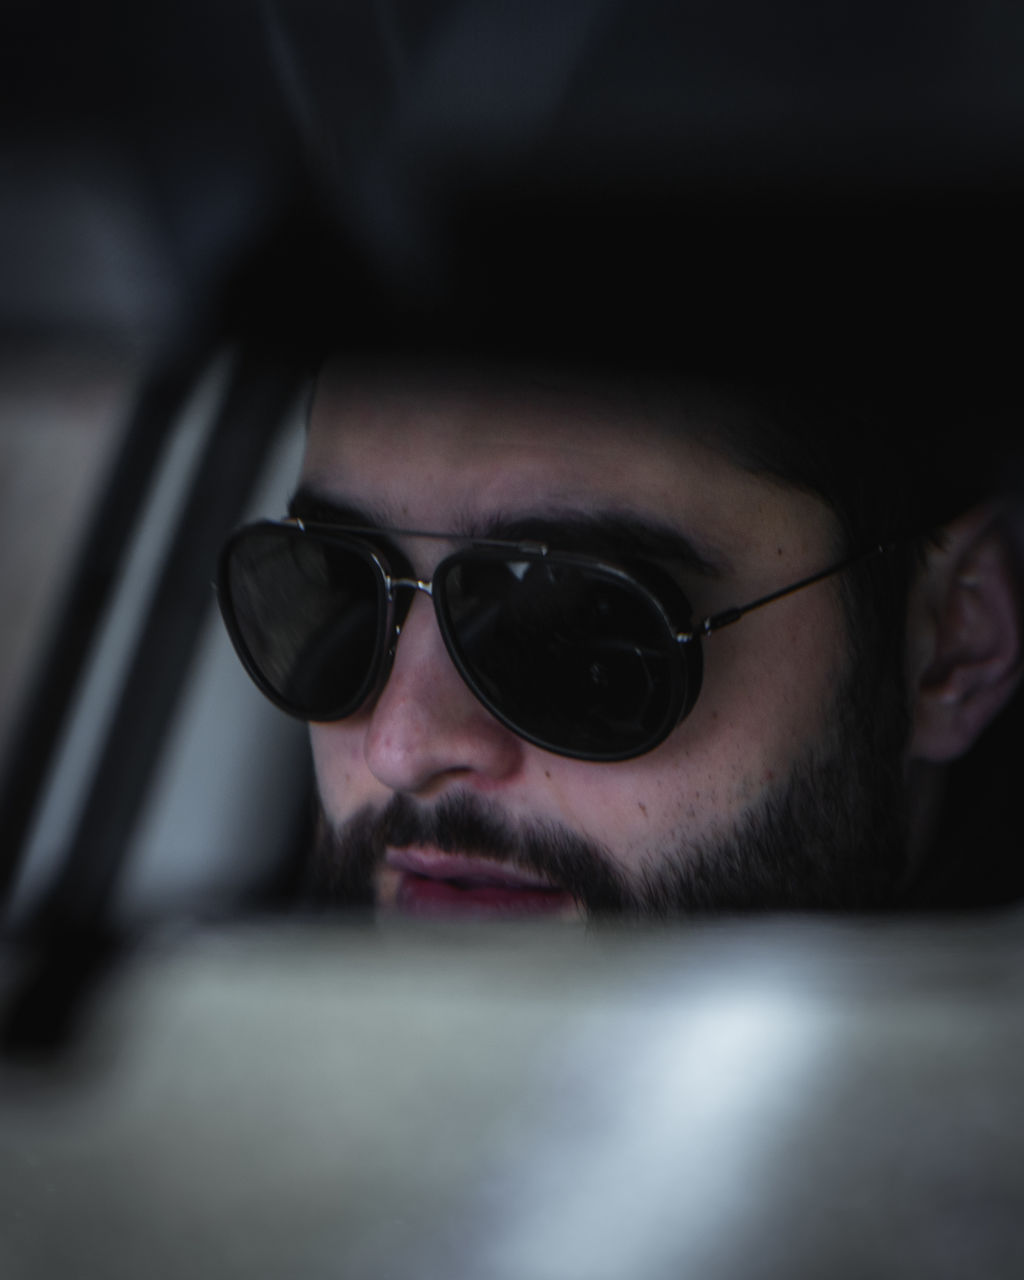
(832, 835)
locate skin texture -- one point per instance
(439, 457)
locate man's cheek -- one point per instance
(622, 807)
(343, 781)
(676, 797)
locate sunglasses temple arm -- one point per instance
(728, 616)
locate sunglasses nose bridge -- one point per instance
(393, 585)
(411, 584)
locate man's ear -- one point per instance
(965, 637)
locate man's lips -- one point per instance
(432, 864)
(430, 882)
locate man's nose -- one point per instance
(426, 728)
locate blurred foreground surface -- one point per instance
(778, 1099)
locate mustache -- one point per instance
(346, 858)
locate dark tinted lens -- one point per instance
(307, 614)
(574, 657)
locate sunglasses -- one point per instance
(584, 658)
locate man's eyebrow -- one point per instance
(310, 504)
(611, 533)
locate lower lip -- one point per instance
(444, 899)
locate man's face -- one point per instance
(767, 794)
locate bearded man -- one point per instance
(576, 646)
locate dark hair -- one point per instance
(844, 453)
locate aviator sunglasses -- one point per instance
(582, 657)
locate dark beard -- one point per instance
(832, 835)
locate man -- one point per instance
(636, 659)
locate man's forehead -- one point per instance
(523, 392)
(523, 415)
(420, 444)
